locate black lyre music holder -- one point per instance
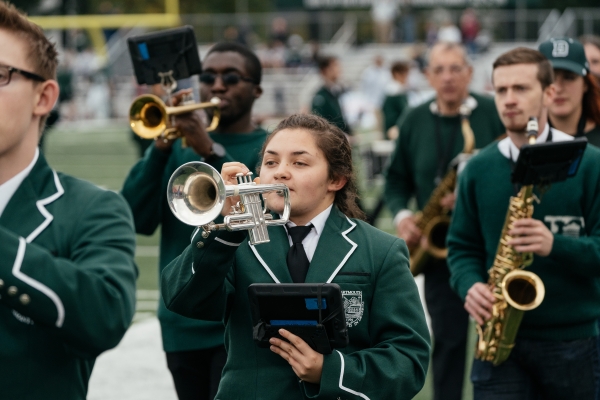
(312, 311)
(546, 163)
(164, 57)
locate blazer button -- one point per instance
(1, 283)
(24, 299)
(12, 291)
(200, 245)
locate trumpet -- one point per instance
(149, 116)
(196, 194)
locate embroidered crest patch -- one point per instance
(353, 306)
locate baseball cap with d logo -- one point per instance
(566, 53)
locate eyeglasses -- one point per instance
(6, 74)
(453, 69)
(228, 78)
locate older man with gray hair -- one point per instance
(430, 138)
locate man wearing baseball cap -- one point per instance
(575, 106)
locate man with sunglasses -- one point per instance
(231, 72)
(67, 271)
(430, 138)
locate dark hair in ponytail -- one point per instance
(338, 153)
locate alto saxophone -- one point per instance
(433, 221)
(514, 290)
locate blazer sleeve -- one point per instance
(199, 282)
(395, 365)
(143, 190)
(399, 183)
(88, 299)
(466, 248)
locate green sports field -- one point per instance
(104, 154)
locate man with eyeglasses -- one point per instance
(67, 271)
(430, 138)
(231, 72)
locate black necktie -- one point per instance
(296, 258)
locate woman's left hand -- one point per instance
(306, 363)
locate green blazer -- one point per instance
(67, 283)
(388, 354)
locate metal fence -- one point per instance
(503, 25)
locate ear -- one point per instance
(548, 95)
(336, 184)
(428, 75)
(258, 91)
(46, 97)
(470, 71)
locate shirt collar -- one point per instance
(508, 148)
(317, 222)
(8, 188)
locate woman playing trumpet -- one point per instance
(388, 352)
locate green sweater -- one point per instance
(145, 189)
(571, 209)
(392, 109)
(327, 105)
(388, 354)
(593, 136)
(413, 165)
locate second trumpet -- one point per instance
(149, 116)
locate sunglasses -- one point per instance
(228, 78)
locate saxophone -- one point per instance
(433, 221)
(514, 290)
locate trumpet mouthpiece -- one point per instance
(215, 100)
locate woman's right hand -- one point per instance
(228, 172)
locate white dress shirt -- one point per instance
(312, 239)
(508, 148)
(8, 188)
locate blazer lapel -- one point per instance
(273, 256)
(26, 214)
(333, 250)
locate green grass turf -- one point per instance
(105, 154)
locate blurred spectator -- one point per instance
(591, 45)
(407, 27)
(384, 13)
(396, 100)
(326, 102)
(374, 81)
(97, 101)
(448, 32)
(431, 33)
(469, 28)
(279, 31)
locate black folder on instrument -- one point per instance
(171, 50)
(546, 163)
(312, 311)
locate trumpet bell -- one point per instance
(148, 116)
(196, 194)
